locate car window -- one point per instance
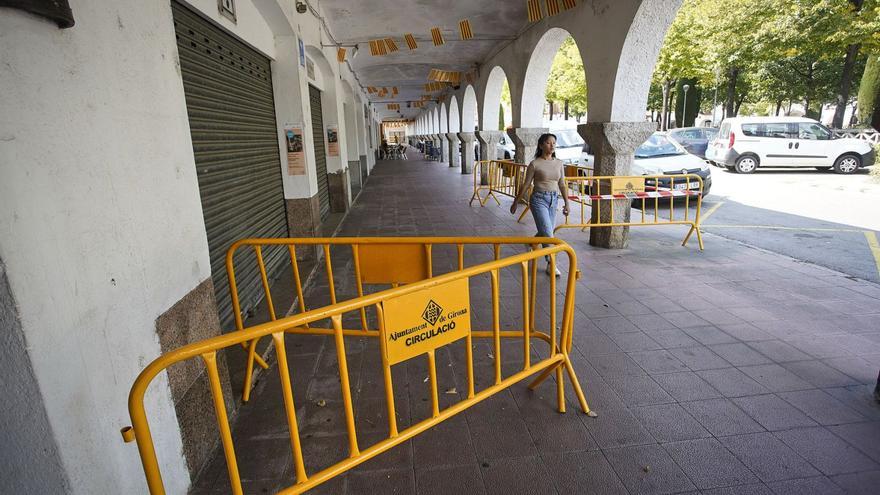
(751, 129)
(724, 133)
(657, 145)
(710, 133)
(809, 130)
(568, 138)
(779, 130)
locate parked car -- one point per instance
(505, 149)
(660, 155)
(694, 140)
(569, 146)
(746, 143)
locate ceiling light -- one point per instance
(301, 7)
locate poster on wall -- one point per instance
(310, 69)
(332, 140)
(296, 160)
(302, 53)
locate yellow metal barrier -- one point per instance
(598, 198)
(415, 319)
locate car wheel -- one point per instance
(847, 164)
(823, 169)
(746, 164)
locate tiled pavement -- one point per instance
(729, 371)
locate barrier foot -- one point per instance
(523, 214)
(577, 389)
(543, 376)
(493, 197)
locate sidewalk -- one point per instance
(732, 367)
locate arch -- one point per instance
(492, 98)
(469, 110)
(638, 58)
(535, 81)
(348, 110)
(435, 119)
(454, 118)
(444, 119)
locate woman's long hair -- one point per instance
(541, 140)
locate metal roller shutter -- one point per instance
(320, 151)
(231, 109)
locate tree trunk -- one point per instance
(778, 107)
(739, 103)
(732, 76)
(846, 75)
(566, 109)
(665, 106)
(788, 112)
(551, 109)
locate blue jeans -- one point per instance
(543, 206)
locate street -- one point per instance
(820, 217)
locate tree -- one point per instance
(869, 94)
(694, 95)
(567, 81)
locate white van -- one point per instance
(745, 143)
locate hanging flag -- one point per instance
(377, 47)
(569, 4)
(534, 8)
(371, 89)
(392, 46)
(464, 27)
(552, 7)
(340, 55)
(410, 41)
(437, 36)
(394, 90)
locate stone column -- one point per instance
(454, 154)
(613, 144)
(436, 140)
(488, 150)
(526, 141)
(444, 148)
(467, 151)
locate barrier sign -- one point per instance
(425, 320)
(626, 185)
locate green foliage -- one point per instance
(694, 97)
(869, 91)
(500, 117)
(567, 81)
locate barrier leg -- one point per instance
(543, 376)
(577, 388)
(523, 214)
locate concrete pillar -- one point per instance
(444, 147)
(467, 151)
(613, 144)
(488, 150)
(526, 141)
(454, 154)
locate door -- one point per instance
(231, 110)
(812, 145)
(320, 151)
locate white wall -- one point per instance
(100, 223)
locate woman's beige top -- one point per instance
(549, 175)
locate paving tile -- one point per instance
(699, 358)
(525, 475)
(731, 382)
(396, 481)
(864, 483)
(617, 428)
(745, 332)
(502, 439)
(709, 335)
(826, 452)
(775, 377)
(638, 390)
(772, 412)
(708, 464)
(779, 351)
(753, 489)
(864, 436)
(686, 386)
(673, 338)
(581, 472)
(768, 457)
(650, 323)
(447, 444)
(808, 486)
(739, 354)
(554, 432)
(722, 417)
(617, 324)
(594, 345)
(821, 407)
(819, 374)
(648, 469)
(457, 479)
(634, 341)
(684, 319)
(859, 369)
(859, 398)
(615, 364)
(669, 423)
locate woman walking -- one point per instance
(548, 174)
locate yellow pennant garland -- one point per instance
(410, 41)
(437, 36)
(534, 10)
(340, 55)
(464, 27)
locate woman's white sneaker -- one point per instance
(549, 270)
